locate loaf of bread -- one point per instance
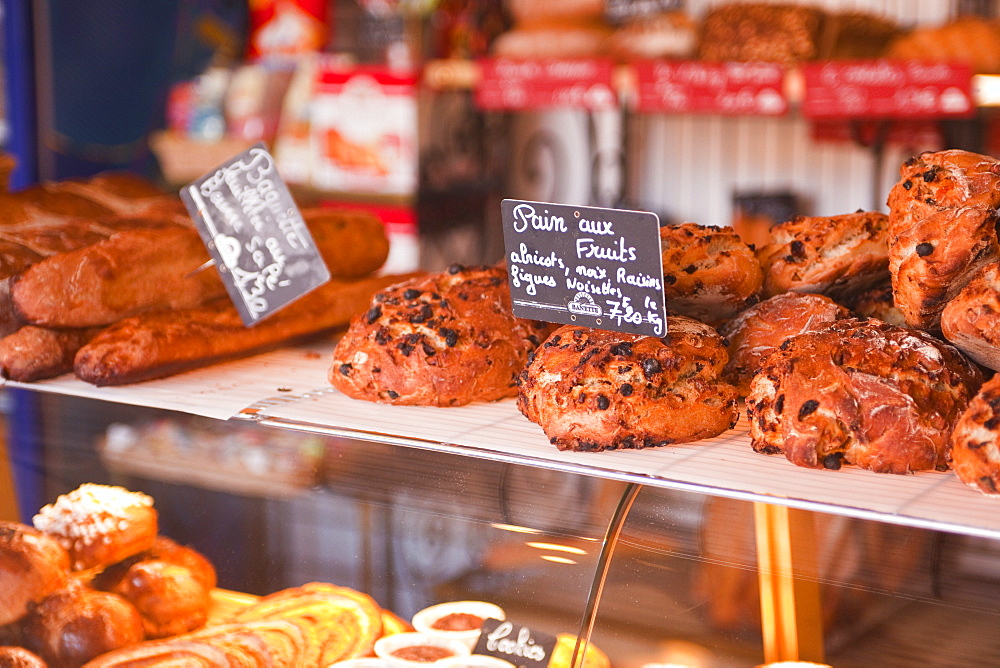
(971, 320)
(761, 329)
(861, 392)
(170, 585)
(156, 344)
(942, 230)
(442, 340)
(34, 353)
(160, 266)
(837, 256)
(975, 441)
(783, 33)
(667, 35)
(593, 390)
(32, 566)
(709, 274)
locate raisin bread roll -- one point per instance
(593, 390)
(32, 566)
(971, 320)
(832, 255)
(442, 340)
(709, 274)
(975, 442)
(861, 392)
(758, 331)
(942, 220)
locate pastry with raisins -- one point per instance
(442, 340)
(593, 389)
(861, 392)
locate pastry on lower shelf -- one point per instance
(708, 272)
(942, 230)
(442, 340)
(861, 392)
(100, 525)
(971, 320)
(666, 35)
(759, 330)
(592, 389)
(76, 624)
(831, 255)
(170, 585)
(32, 566)
(975, 444)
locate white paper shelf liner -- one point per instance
(288, 388)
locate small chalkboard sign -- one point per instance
(255, 234)
(587, 266)
(521, 646)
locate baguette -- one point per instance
(131, 271)
(154, 265)
(35, 353)
(157, 344)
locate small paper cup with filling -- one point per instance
(453, 620)
(416, 650)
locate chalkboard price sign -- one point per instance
(255, 234)
(587, 266)
(520, 645)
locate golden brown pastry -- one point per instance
(442, 340)
(971, 320)
(829, 255)
(100, 524)
(592, 389)
(32, 566)
(942, 230)
(170, 585)
(316, 624)
(861, 392)
(784, 33)
(157, 344)
(975, 442)
(19, 657)
(848, 35)
(76, 624)
(709, 274)
(583, 39)
(758, 331)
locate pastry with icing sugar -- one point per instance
(100, 524)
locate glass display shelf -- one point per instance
(288, 389)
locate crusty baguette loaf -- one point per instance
(161, 343)
(34, 353)
(150, 265)
(130, 271)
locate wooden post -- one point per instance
(791, 616)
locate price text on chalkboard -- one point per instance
(519, 645)
(255, 234)
(587, 266)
